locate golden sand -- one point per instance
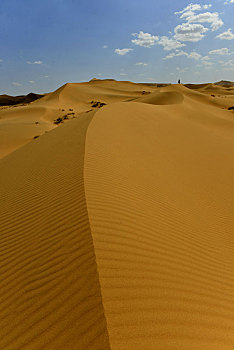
(117, 226)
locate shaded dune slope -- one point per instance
(192, 96)
(19, 125)
(50, 294)
(163, 98)
(160, 199)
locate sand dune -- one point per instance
(20, 124)
(117, 226)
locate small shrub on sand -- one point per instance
(97, 104)
(58, 120)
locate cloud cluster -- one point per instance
(148, 40)
(170, 44)
(196, 21)
(144, 39)
(188, 13)
(192, 55)
(190, 32)
(207, 17)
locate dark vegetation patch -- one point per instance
(59, 120)
(67, 116)
(145, 92)
(97, 104)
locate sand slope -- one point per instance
(50, 294)
(117, 227)
(160, 199)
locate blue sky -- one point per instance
(47, 43)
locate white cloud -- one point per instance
(229, 2)
(14, 83)
(1, 60)
(207, 6)
(207, 65)
(105, 47)
(205, 58)
(228, 35)
(144, 39)
(192, 55)
(207, 17)
(227, 64)
(141, 64)
(31, 81)
(182, 70)
(223, 51)
(123, 52)
(122, 74)
(170, 44)
(189, 32)
(187, 14)
(191, 7)
(45, 76)
(35, 62)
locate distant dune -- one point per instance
(225, 83)
(6, 100)
(116, 228)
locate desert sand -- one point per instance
(117, 225)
